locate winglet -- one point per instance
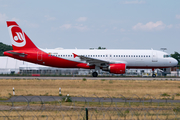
(74, 55)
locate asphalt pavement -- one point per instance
(84, 99)
(91, 78)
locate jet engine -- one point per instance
(116, 68)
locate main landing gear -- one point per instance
(153, 75)
(94, 74)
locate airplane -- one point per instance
(114, 61)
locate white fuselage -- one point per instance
(132, 58)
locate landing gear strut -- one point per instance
(94, 74)
(153, 75)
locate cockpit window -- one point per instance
(166, 56)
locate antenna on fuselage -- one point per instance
(163, 49)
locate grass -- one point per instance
(101, 88)
(177, 94)
(84, 79)
(80, 114)
(165, 94)
(110, 81)
(103, 80)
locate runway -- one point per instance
(90, 78)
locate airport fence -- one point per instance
(89, 108)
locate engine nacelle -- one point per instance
(116, 68)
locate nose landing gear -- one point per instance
(153, 75)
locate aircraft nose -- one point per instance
(174, 62)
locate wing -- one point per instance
(92, 61)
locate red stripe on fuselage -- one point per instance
(48, 60)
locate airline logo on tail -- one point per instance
(17, 36)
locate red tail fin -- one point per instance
(19, 39)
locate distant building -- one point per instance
(10, 65)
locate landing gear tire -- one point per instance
(94, 74)
(154, 75)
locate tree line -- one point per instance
(4, 47)
(176, 55)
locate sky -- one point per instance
(83, 24)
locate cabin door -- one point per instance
(154, 56)
(39, 56)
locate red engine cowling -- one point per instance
(117, 68)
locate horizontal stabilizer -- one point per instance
(15, 53)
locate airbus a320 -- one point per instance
(114, 60)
